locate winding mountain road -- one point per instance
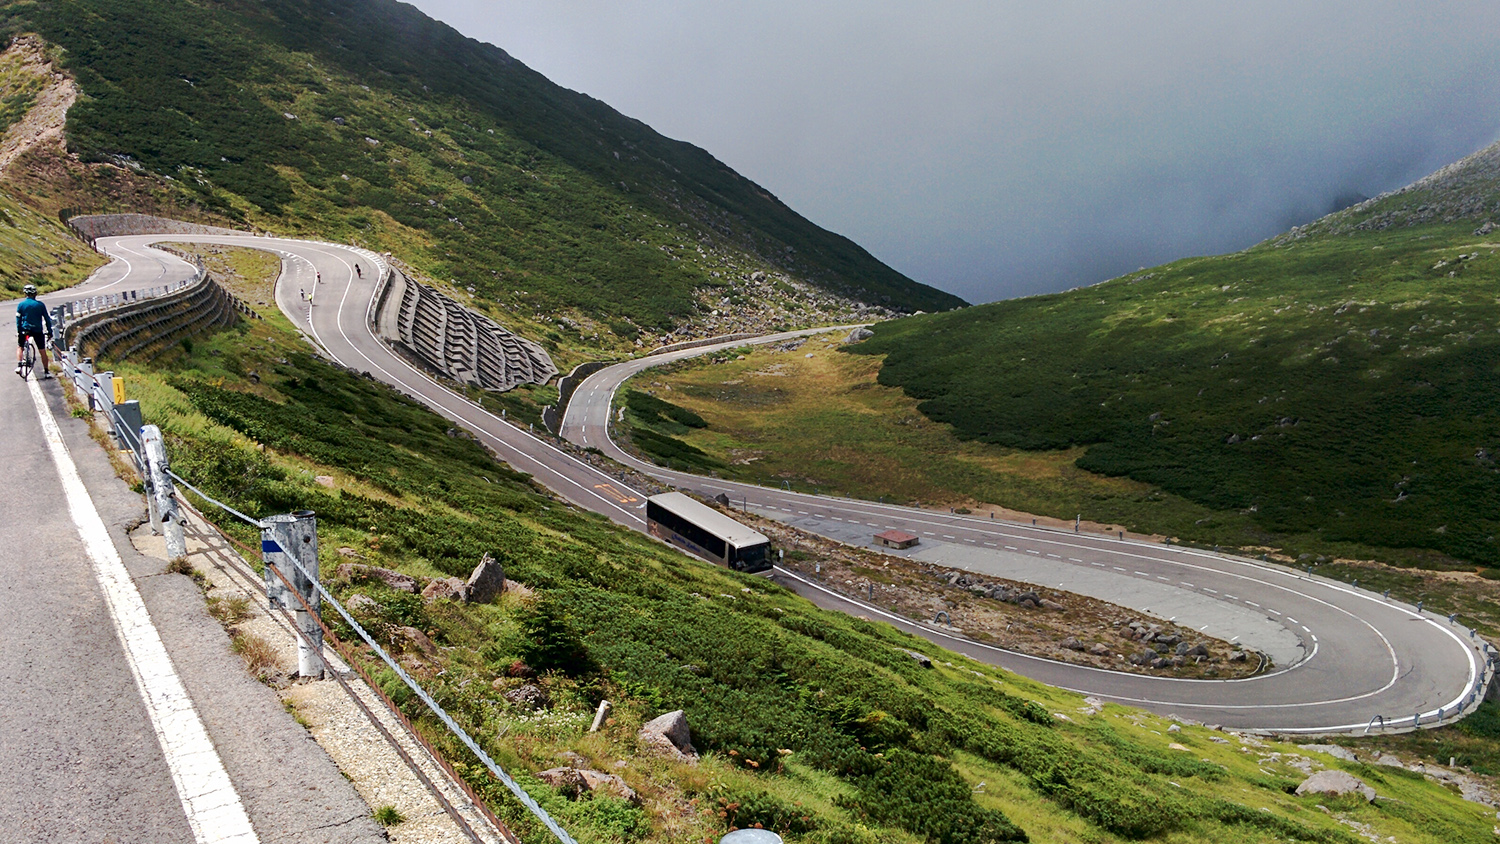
(1343, 655)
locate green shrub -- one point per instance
(927, 797)
(551, 642)
(764, 811)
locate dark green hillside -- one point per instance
(1341, 382)
(369, 120)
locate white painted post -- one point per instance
(163, 494)
(599, 716)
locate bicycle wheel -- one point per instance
(28, 358)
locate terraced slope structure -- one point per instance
(1332, 391)
(369, 122)
(456, 341)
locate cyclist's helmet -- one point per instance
(29, 290)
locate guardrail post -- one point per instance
(162, 491)
(290, 543)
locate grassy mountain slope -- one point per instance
(368, 120)
(1340, 382)
(812, 723)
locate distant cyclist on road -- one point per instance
(32, 320)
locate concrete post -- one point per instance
(290, 543)
(162, 491)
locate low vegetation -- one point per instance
(815, 724)
(1331, 395)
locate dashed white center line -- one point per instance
(1273, 612)
(991, 544)
(1292, 620)
(1054, 556)
(1074, 560)
(928, 533)
(1231, 597)
(837, 519)
(1010, 548)
(948, 536)
(872, 524)
(1029, 551)
(801, 512)
(1185, 583)
(1116, 568)
(1206, 589)
(1100, 565)
(1142, 573)
(1253, 604)
(1167, 579)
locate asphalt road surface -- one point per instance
(1343, 656)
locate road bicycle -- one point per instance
(28, 357)
(28, 360)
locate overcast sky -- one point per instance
(1000, 149)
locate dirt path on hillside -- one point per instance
(44, 121)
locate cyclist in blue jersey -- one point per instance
(32, 320)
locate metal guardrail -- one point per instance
(147, 451)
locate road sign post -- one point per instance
(289, 544)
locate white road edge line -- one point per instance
(213, 807)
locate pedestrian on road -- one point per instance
(320, 278)
(358, 272)
(32, 320)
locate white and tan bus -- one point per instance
(707, 533)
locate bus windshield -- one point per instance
(753, 558)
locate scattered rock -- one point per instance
(1073, 644)
(1047, 604)
(1239, 656)
(1161, 662)
(445, 588)
(1100, 649)
(486, 583)
(1333, 750)
(669, 735)
(1174, 729)
(922, 660)
(414, 638)
(362, 605)
(1199, 649)
(324, 480)
(349, 553)
(392, 579)
(1390, 761)
(529, 696)
(598, 781)
(517, 588)
(1484, 229)
(568, 781)
(1336, 782)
